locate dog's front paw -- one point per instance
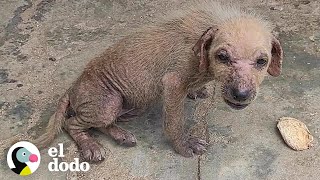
(201, 93)
(190, 146)
(126, 139)
(91, 151)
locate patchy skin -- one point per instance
(169, 61)
(245, 41)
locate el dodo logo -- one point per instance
(23, 158)
(55, 165)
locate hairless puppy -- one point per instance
(168, 61)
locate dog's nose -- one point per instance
(240, 95)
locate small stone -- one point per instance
(305, 2)
(52, 59)
(19, 85)
(29, 27)
(22, 57)
(40, 92)
(19, 123)
(312, 38)
(11, 81)
(276, 8)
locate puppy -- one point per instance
(167, 61)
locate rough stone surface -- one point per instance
(244, 144)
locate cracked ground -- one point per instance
(45, 44)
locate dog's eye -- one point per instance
(223, 56)
(261, 62)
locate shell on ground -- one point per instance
(295, 133)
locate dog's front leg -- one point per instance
(174, 95)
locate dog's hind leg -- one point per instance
(99, 112)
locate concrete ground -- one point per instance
(44, 45)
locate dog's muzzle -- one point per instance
(236, 106)
(238, 98)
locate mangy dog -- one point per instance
(167, 61)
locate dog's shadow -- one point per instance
(148, 127)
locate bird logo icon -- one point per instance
(23, 158)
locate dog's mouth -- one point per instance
(235, 105)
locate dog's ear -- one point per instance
(276, 58)
(201, 48)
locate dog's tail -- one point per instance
(55, 123)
